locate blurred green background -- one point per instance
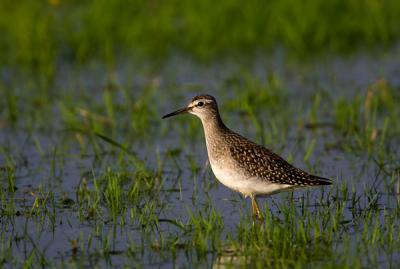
(40, 33)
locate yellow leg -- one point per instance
(256, 210)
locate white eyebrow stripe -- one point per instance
(205, 101)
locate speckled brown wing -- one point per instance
(258, 161)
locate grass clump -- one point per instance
(365, 119)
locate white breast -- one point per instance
(245, 185)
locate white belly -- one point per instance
(246, 186)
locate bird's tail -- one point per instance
(321, 181)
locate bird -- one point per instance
(242, 165)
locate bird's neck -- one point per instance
(213, 124)
(214, 130)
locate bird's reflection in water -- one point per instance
(230, 259)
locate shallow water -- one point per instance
(187, 186)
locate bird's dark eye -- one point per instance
(200, 104)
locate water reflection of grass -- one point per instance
(138, 200)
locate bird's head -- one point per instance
(202, 106)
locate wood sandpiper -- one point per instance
(241, 164)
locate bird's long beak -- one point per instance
(179, 111)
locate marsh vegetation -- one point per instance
(92, 177)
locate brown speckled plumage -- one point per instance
(254, 160)
(259, 161)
